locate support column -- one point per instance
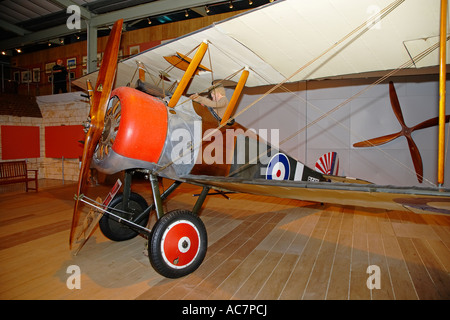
(91, 47)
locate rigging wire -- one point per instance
(364, 27)
(361, 29)
(358, 31)
(328, 114)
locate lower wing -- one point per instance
(357, 193)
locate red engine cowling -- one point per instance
(134, 134)
(143, 125)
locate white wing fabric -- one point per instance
(277, 39)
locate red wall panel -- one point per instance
(20, 142)
(63, 141)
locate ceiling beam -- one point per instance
(85, 13)
(13, 28)
(137, 12)
(147, 10)
(38, 36)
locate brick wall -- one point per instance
(56, 110)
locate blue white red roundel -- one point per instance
(278, 168)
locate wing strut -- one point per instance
(442, 79)
(237, 92)
(188, 74)
(141, 71)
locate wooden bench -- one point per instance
(15, 172)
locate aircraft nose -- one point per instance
(143, 125)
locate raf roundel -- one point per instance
(278, 168)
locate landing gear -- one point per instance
(178, 241)
(178, 244)
(130, 210)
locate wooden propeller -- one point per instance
(406, 132)
(99, 101)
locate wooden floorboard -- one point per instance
(258, 248)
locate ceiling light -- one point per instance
(250, 2)
(231, 5)
(149, 21)
(186, 14)
(19, 50)
(206, 9)
(4, 53)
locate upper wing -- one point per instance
(284, 36)
(359, 193)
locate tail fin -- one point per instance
(328, 164)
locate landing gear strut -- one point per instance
(178, 241)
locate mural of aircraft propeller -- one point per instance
(405, 132)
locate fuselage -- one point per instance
(141, 131)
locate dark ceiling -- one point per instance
(20, 17)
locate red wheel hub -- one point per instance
(180, 244)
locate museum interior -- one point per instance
(350, 201)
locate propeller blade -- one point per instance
(416, 158)
(377, 141)
(429, 123)
(99, 102)
(396, 104)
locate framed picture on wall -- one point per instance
(134, 50)
(99, 59)
(17, 76)
(25, 76)
(36, 74)
(84, 61)
(72, 75)
(49, 67)
(71, 63)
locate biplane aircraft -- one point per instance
(151, 125)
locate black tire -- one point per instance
(119, 232)
(177, 244)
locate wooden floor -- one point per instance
(259, 248)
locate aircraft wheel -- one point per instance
(120, 232)
(177, 244)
